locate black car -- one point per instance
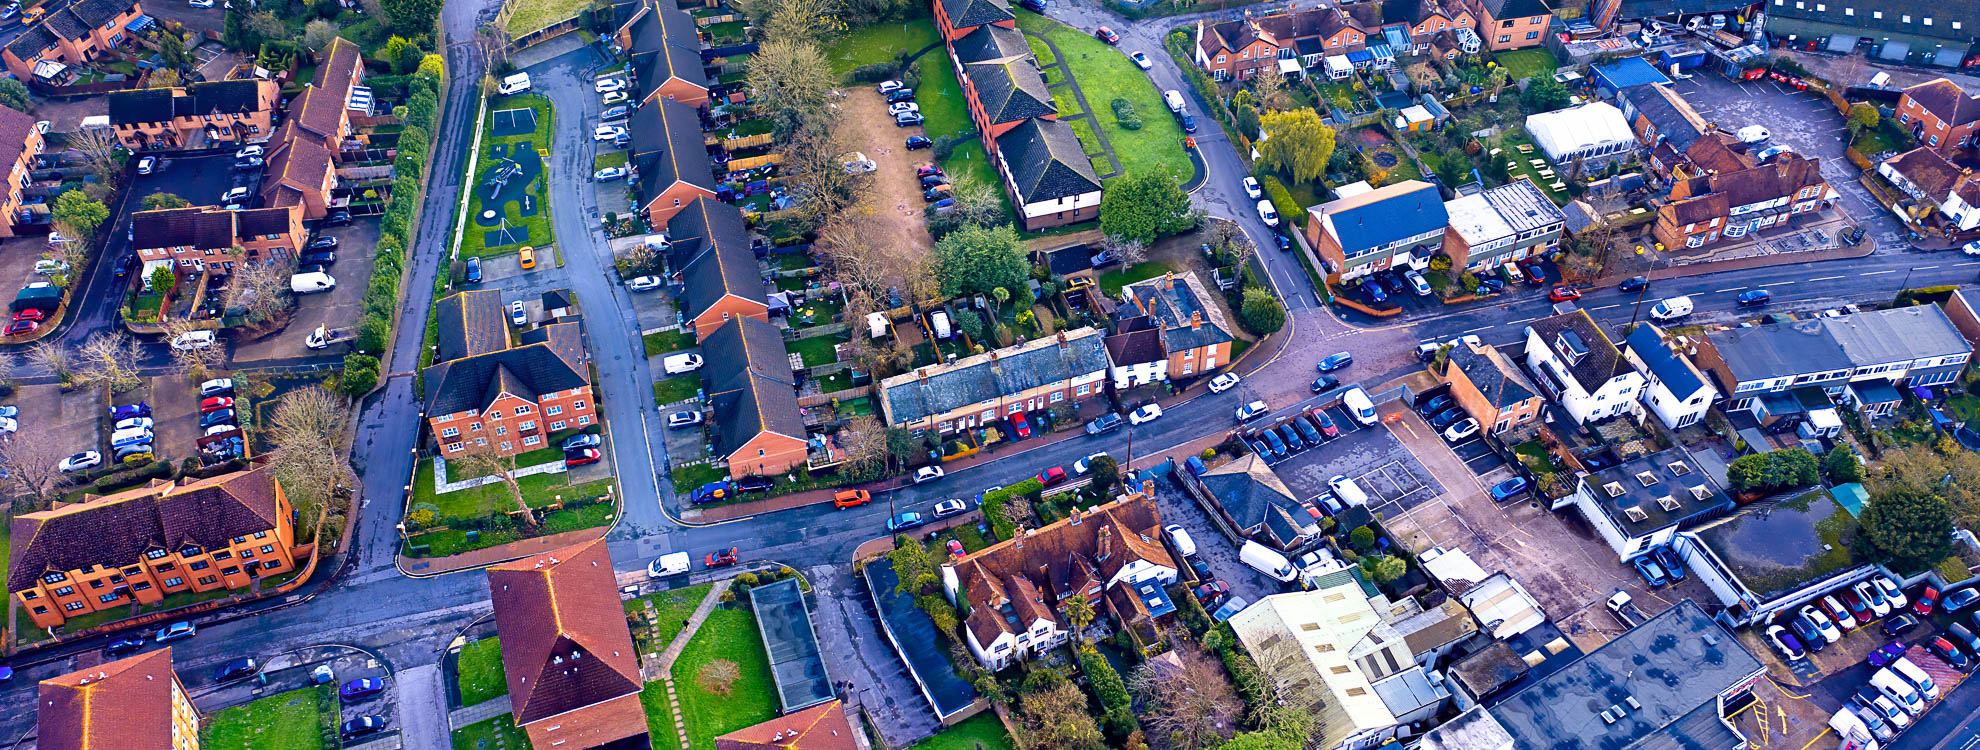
(933, 180)
(211, 418)
(753, 484)
(129, 644)
(1806, 632)
(905, 119)
(918, 142)
(336, 218)
(1325, 383)
(1202, 570)
(900, 95)
(1634, 283)
(234, 670)
(1897, 625)
(1491, 286)
(125, 264)
(1035, 6)
(320, 258)
(1447, 417)
(362, 726)
(1393, 282)
(1963, 637)
(321, 243)
(1435, 405)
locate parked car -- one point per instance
(850, 499)
(900, 95)
(1652, 573)
(1252, 190)
(1872, 597)
(927, 474)
(1147, 413)
(518, 315)
(1634, 283)
(362, 726)
(951, 507)
(585, 440)
(1668, 557)
(127, 411)
(1891, 591)
(581, 457)
(176, 632)
(1461, 431)
(1805, 632)
(1021, 425)
(1325, 423)
(1755, 298)
(1508, 489)
(609, 174)
(1899, 625)
(682, 420)
(1325, 383)
(362, 687)
(1435, 405)
(1267, 213)
(211, 418)
(235, 669)
(1928, 599)
(128, 644)
(1962, 599)
(216, 403)
(1107, 35)
(1950, 653)
(193, 340)
(1822, 623)
(81, 461)
(337, 218)
(148, 165)
(904, 521)
(644, 283)
(1251, 411)
(214, 387)
(906, 119)
(1052, 476)
(919, 142)
(721, 558)
(1104, 424)
(1335, 361)
(1785, 642)
(1084, 465)
(1965, 638)
(1224, 382)
(1212, 593)
(753, 484)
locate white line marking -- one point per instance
(1605, 307)
(1924, 268)
(1826, 278)
(1734, 289)
(1878, 273)
(1968, 263)
(1777, 283)
(1480, 328)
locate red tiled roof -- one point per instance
(1032, 573)
(821, 727)
(564, 639)
(118, 529)
(125, 704)
(15, 129)
(322, 107)
(1946, 101)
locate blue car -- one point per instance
(1961, 599)
(1652, 573)
(362, 687)
(1505, 490)
(1287, 434)
(176, 631)
(712, 492)
(1374, 291)
(129, 644)
(1669, 559)
(1335, 361)
(473, 270)
(1755, 298)
(129, 411)
(905, 521)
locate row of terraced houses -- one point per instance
(1367, 34)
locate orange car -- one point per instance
(851, 498)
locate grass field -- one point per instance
(980, 732)
(666, 341)
(817, 350)
(283, 721)
(536, 15)
(499, 733)
(1526, 63)
(727, 634)
(474, 241)
(608, 159)
(479, 672)
(670, 610)
(941, 98)
(1104, 73)
(879, 43)
(487, 499)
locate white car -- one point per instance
(617, 97)
(609, 174)
(608, 133)
(1465, 428)
(518, 315)
(220, 429)
(1268, 214)
(1224, 382)
(948, 508)
(200, 3)
(46, 267)
(902, 108)
(1891, 591)
(1251, 411)
(1774, 635)
(1180, 536)
(1417, 283)
(1086, 464)
(147, 165)
(1872, 597)
(81, 461)
(1822, 623)
(1754, 134)
(1971, 248)
(193, 340)
(644, 283)
(234, 195)
(1892, 714)
(1252, 190)
(927, 474)
(8, 425)
(609, 85)
(216, 386)
(1147, 413)
(247, 151)
(1140, 60)
(682, 420)
(888, 87)
(134, 423)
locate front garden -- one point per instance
(303, 719)
(1104, 74)
(449, 523)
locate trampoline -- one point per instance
(508, 122)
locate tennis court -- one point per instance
(508, 122)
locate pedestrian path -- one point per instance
(482, 711)
(1086, 110)
(441, 486)
(661, 667)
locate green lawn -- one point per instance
(474, 240)
(499, 733)
(173, 601)
(727, 634)
(1526, 63)
(880, 43)
(572, 519)
(686, 478)
(1111, 282)
(1521, 165)
(677, 388)
(538, 14)
(487, 499)
(941, 98)
(666, 341)
(1068, 105)
(980, 732)
(6, 551)
(971, 161)
(670, 609)
(283, 721)
(817, 350)
(608, 159)
(1040, 51)
(479, 672)
(1104, 73)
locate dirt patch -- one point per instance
(894, 207)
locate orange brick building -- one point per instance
(143, 544)
(202, 115)
(1195, 337)
(709, 256)
(204, 238)
(1512, 24)
(1490, 387)
(757, 427)
(74, 35)
(20, 142)
(135, 703)
(1940, 114)
(958, 17)
(664, 45)
(574, 678)
(1239, 49)
(487, 391)
(323, 111)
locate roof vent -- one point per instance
(1668, 503)
(1618, 711)
(1631, 700)
(1680, 468)
(1615, 489)
(1646, 478)
(1635, 513)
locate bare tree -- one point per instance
(1191, 706)
(307, 428)
(98, 147)
(9, 364)
(318, 33)
(855, 254)
(258, 289)
(977, 202)
(193, 361)
(51, 357)
(108, 359)
(34, 471)
(864, 443)
(1127, 250)
(1269, 89)
(1056, 719)
(815, 168)
(791, 75)
(487, 462)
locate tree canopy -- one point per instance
(1544, 94)
(1297, 143)
(975, 259)
(1145, 207)
(82, 212)
(1773, 471)
(1908, 526)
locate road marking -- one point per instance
(1877, 273)
(1605, 307)
(1480, 328)
(1527, 320)
(1968, 263)
(1734, 289)
(1826, 278)
(1777, 283)
(1924, 268)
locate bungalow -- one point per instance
(1729, 205)
(665, 49)
(708, 251)
(1195, 337)
(1576, 364)
(1940, 114)
(985, 388)
(489, 391)
(1371, 231)
(758, 429)
(1937, 184)
(1254, 502)
(76, 34)
(669, 159)
(201, 115)
(1512, 24)
(1674, 388)
(1048, 175)
(20, 142)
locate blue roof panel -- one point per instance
(1384, 221)
(1663, 363)
(1627, 72)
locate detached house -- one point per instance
(133, 703)
(1576, 364)
(757, 428)
(1392, 225)
(709, 254)
(574, 678)
(1050, 180)
(1937, 184)
(146, 543)
(1195, 337)
(204, 238)
(201, 115)
(1728, 205)
(1940, 114)
(1257, 504)
(76, 34)
(1674, 389)
(486, 391)
(1016, 590)
(982, 389)
(1641, 505)
(665, 49)
(20, 142)
(1512, 24)
(669, 159)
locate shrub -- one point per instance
(1362, 537)
(360, 374)
(1774, 471)
(1125, 114)
(1112, 691)
(1261, 313)
(875, 72)
(1282, 201)
(994, 503)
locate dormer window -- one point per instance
(1571, 347)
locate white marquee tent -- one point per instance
(1593, 131)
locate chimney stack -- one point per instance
(1168, 280)
(1062, 340)
(1196, 319)
(1073, 517)
(1017, 537)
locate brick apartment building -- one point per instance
(133, 703)
(1941, 114)
(202, 238)
(146, 543)
(958, 17)
(74, 35)
(20, 142)
(573, 675)
(1490, 387)
(1729, 205)
(487, 391)
(201, 115)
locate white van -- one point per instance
(1349, 492)
(685, 362)
(1359, 407)
(1898, 690)
(1180, 536)
(1671, 309)
(514, 84)
(1917, 677)
(1854, 733)
(310, 283)
(1174, 99)
(1264, 560)
(132, 436)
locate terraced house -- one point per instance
(665, 46)
(202, 115)
(134, 703)
(669, 159)
(20, 143)
(757, 429)
(1499, 225)
(574, 678)
(1237, 50)
(1512, 24)
(1728, 205)
(1047, 173)
(1859, 360)
(74, 35)
(1000, 80)
(1071, 366)
(208, 238)
(489, 392)
(1940, 114)
(710, 259)
(146, 543)
(302, 169)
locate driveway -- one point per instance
(339, 308)
(1212, 547)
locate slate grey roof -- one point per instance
(527, 370)
(1136, 347)
(1871, 337)
(470, 323)
(1602, 359)
(991, 43)
(198, 227)
(1171, 300)
(1047, 160)
(1672, 664)
(1254, 497)
(963, 14)
(1670, 497)
(1659, 104)
(140, 106)
(34, 41)
(1647, 343)
(1865, 20)
(1010, 89)
(983, 377)
(666, 45)
(1504, 9)
(1504, 389)
(749, 382)
(667, 146)
(715, 260)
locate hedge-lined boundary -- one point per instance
(397, 227)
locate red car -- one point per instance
(216, 403)
(1022, 425)
(721, 559)
(1928, 598)
(1327, 427)
(1107, 35)
(581, 457)
(926, 170)
(956, 550)
(22, 327)
(1563, 294)
(1052, 476)
(32, 313)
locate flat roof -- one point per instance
(917, 642)
(795, 664)
(1654, 491)
(1779, 548)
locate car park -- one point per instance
(1873, 720)
(1224, 382)
(1436, 404)
(1291, 437)
(951, 507)
(1928, 600)
(1785, 642)
(1856, 606)
(1269, 444)
(1147, 413)
(608, 85)
(1891, 591)
(1962, 599)
(1306, 431)
(1885, 654)
(1963, 637)
(904, 521)
(1872, 597)
(1887, 709)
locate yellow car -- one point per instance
(528, 257)
(34, 14)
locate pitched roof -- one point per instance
(259, 222)
(299, 163)
(1946, 101)
(1136, 347)
(238, 96)
(709, 248)
(31, 43)
(1279, 30)
(982, 377)
(1599, 361)
(1251, 494)
(124, 704)
(140, 105)
(531, 368)
(198, 227)
(469, 323)
(1047, 160)
(72, 22)
(821, 727)
(1504, 9)
(1871, 337)
(1501, 383)
(963, 14)
(991, 42)
(558, 613)
(1677, 374)
(668, 147)
(1384, 215)
(1673, 117)
(1010, 88)
(322, 107)
(1028, 576)
(750, 384)
(666, 45)
(1178, 304)
(117, 529)
(1929, 170)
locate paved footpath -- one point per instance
(662, 667)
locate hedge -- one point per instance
(993, 505)
(1113, 693)
(1125, 114)
(381, 295)
(1283, 202)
